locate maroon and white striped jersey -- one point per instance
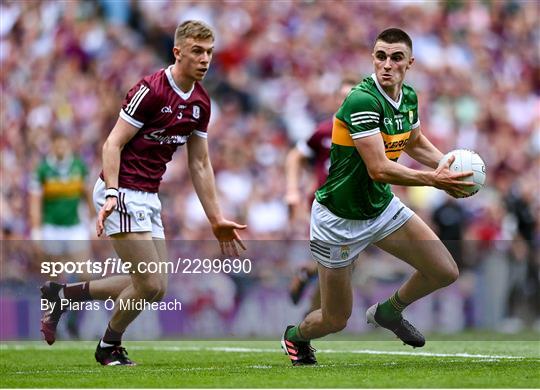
(166, 117)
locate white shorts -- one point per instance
(336, 242)
(62, 240)
(136, 211)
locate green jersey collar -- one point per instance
(390, 100)
(59, 164)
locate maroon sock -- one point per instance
(111, 336)
(78, 292)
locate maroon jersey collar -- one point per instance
(183, 95)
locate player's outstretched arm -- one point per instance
(35, 214)
(293, 166)
(422, 150)
(202, 176)
(35, 205)
(381, 169)
(120, 135)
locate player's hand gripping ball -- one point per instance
(468, 160)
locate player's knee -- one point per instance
(162, 290)
(448, 275)
(164, 284)
(152, 291)
(337, 323)
(159, 295)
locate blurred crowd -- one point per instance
(66, 66)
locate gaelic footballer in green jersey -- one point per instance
(349, 192)
(61, 183)
(355, 207)
(57, 187)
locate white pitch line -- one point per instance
(20, 347)
(369, 352)
(100, 369)
(430, 354)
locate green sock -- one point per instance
(391, 309)
(294, 335)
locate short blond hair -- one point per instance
(192, 29)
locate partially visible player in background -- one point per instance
(161, 112)
(58, 186)
(316, 152)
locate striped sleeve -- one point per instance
(136, 106)
(362, 114)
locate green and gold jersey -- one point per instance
(367, 110)
(61, 184)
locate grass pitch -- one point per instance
(261, 364)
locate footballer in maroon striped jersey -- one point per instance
(166, 118)
(161, 112)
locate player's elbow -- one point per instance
(109, 146)
(198, 165)
(376, 172)
(294, 157)
(375, 175)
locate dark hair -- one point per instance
(395, 35)
(58, 135)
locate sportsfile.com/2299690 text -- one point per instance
(114, 265)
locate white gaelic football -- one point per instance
(468, 160)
